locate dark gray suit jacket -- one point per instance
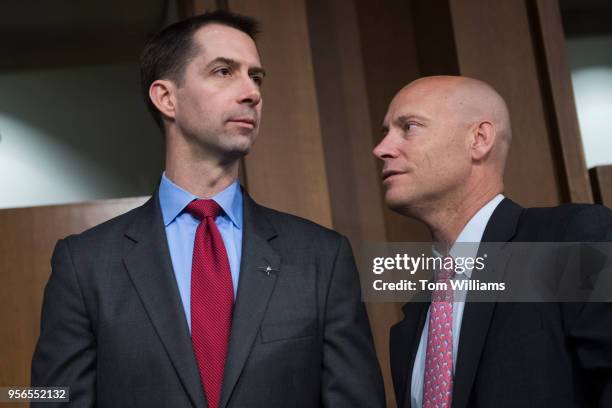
(113, 328)
(523, 354)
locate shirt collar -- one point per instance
(173, 200)
(471, 235)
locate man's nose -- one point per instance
(250, 92)
(384, 149)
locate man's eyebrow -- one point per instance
(258, 71)
(222, 60)
(403, 119)
(232, 63)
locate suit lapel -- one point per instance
(477, 315)
(405, 338)
(254, 290)
(150, 269)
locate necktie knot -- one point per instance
(202, 209)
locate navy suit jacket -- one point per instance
(524, 354)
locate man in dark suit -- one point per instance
(202, 297)
(444, 150)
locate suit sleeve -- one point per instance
(351, 374)
(592, 336)
(65, 355)
(591, 328)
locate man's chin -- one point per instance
(235, 153)
(237, 143)
(394, 203)
(399, 203)
(238, 140)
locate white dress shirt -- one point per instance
(471, 235)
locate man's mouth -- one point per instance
(245, 121)
(387, 174)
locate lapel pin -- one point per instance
(267, 269)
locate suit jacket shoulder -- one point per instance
(106, 233)
(566, 223)
(299, 232)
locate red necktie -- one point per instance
(212, 299)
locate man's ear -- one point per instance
(484, 139)
(162, 93)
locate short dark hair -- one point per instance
(168, 52)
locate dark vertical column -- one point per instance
(601, 179)
(559, 94)
(390, 60)
(346, 129)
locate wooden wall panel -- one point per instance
(559, 94)
(494, 43)
(435, 42)
(286, 168)
(390, 61)
(353, 174)
(601, 179)
(187, 8)
(30, 235)
(354, 181)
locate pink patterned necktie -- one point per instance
(212, 299)
(438, 381)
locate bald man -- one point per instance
(444, 149)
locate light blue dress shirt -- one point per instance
(181, 228)
(471, 234)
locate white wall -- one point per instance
(590, 60)
(77, 134)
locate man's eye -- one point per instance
(223, 72)
(258, 79)
(409, 126)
